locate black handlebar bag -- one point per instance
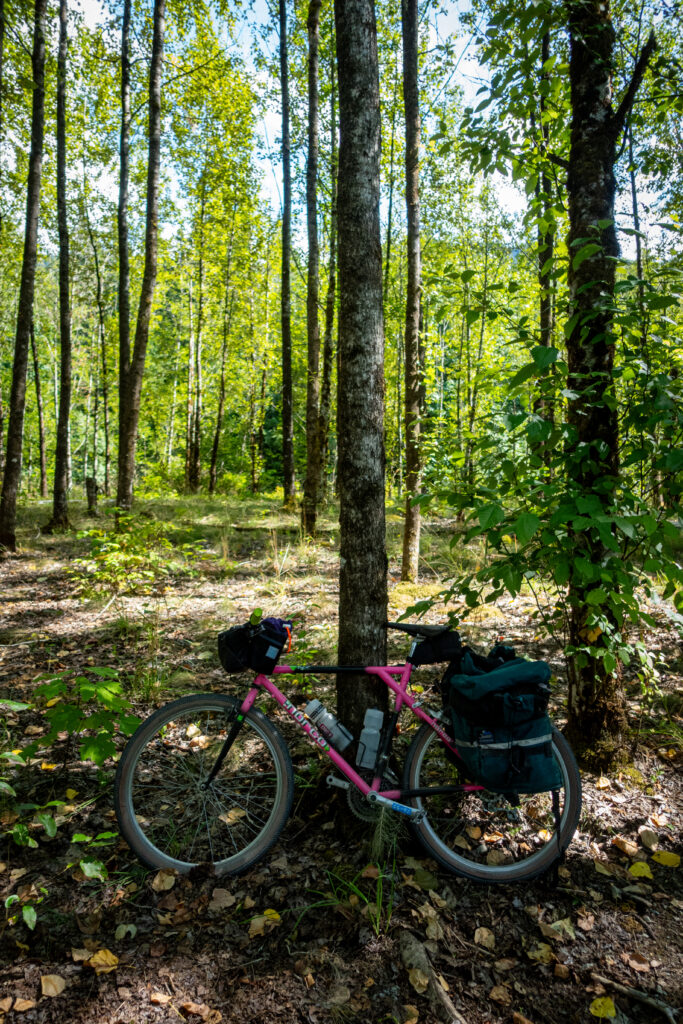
(258, 648)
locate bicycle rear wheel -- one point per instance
(479, 834)
(167, 814)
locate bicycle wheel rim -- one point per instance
(168, 816)
(480, 835)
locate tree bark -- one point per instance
(195, 434)
(363, 561)
(41, 417)
(102, 344)
(122, 225)
(413, 373)
(288, 476)
(596, 714)
(309, 509)
(227, 319)
(131, 398)
(330, 301)
(60, 511)
(12, 475)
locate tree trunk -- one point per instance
(60, 513)
(131, 399)
(309, 509)
(330, 301)
(41, 417)
(189, 413)
(122, 224)
(2, 149)
(101, 343)
(363, 560)
(596, 715)
(288, 477)
(411, 528)
(227, 319)
(12, 475)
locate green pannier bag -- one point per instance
(501, 726)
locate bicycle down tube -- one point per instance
(390, 797)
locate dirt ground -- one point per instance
(318, 931)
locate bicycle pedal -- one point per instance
(332, 780)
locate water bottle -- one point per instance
(369, 738)
(328, 725)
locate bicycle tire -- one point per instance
(165, 814)
(480, 835)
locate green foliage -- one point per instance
(135, 558)
(88, 706)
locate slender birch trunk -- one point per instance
(288, 475)
(41, 417)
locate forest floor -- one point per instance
(323, 929)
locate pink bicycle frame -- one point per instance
(399, 688)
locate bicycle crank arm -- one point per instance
(332, 780)
(410, 812)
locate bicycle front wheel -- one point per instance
(479, 834)
(169, 816)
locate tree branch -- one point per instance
(559, 161)
(619, 119)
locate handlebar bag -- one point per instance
(500, 724)
(254, 647)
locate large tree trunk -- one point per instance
(60, 515)
(288, 477)
(309, 509)
(122, 224)
(363, 561)
(596, 717)
(413, 389)
(131, 399)
(12, 475)
(41, 417)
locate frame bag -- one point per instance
(500, 722)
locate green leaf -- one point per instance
(92, 868)
(528, 371)
(29, 915)
(490, 515)
(525, 526)
(585, 253)
(544, 356)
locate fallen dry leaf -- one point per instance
(103, 961)
(561, 971)
(485, 937)
(410, 1014)
(371, 871)
(640, 870)
(221, 899)
(668, 859)
(501, 994)
(52, 984)
(339, 995)
(603, 783)
(418, 979)
(21, 1005)
(163, 880)
(505, 964)
(625, 845)
(636, 961)
(603, 1007)
(648, 838)
(519, 1018)
(6, 1004)
(78, 955)
(159, 998)
(542, 953)
(196, 1009)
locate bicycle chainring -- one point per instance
(362, 808)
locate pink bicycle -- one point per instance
(208, 779)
